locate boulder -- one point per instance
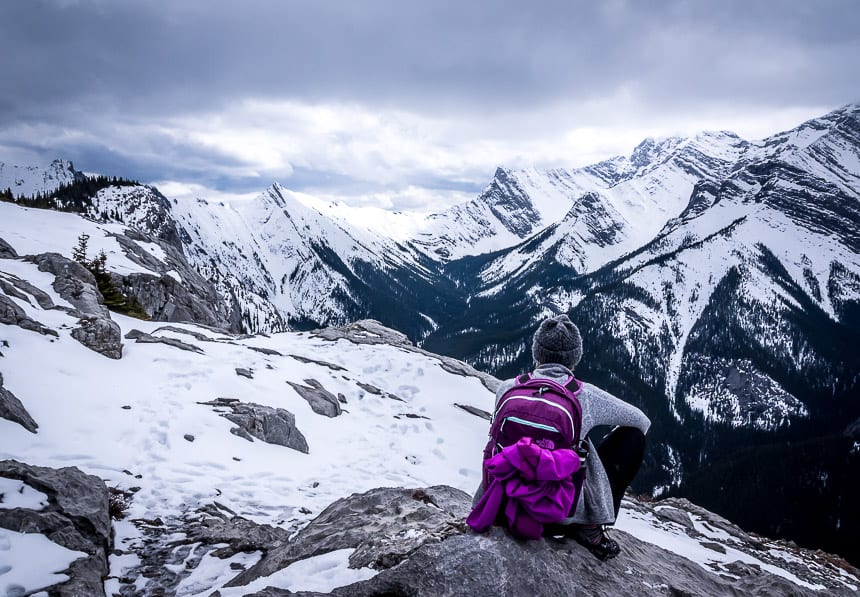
(101, 335)
(241, 371)
(271, 425)
(11, 409)
(75, 517)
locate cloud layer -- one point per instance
(402, 104)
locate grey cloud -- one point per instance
(152, 57)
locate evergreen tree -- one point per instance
(79, 253)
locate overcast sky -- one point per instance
(402, 104)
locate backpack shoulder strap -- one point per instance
(574, 386)
(524, 378)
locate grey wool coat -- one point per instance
(598, 408)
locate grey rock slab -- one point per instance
(321, 400)
(178, 330)
(143, 338)
(244, 372)
(11, 409)
(384, 525)
(267, 351)
(74, 283)
(331, 366)
(76, 517)
(195, 299)
(271, 425)
(371, 389)
(472, 410)
(43, 299)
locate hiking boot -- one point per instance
(597, 541)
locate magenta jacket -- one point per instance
(531, 485)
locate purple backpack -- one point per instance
(541, 409)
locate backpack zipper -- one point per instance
(528, 423)
(558, 406)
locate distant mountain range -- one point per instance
(716, 282)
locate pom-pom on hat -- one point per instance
(557, 340)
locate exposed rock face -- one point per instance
(321, 400)
(271, 425)
(76, 517)
(12, 409)
(370, 331)
(419, 543)
(166, 299)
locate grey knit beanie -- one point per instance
(557, 340)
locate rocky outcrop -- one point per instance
(271, 425)
(75, 517)
(11, 409)
(418, 542)
(74, 283)
(321, 400)
(164, 298)
(370, 331)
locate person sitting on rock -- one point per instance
(610, 466)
